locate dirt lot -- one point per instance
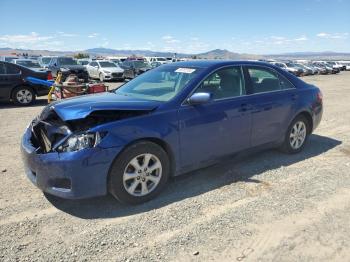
(266, 206)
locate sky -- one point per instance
(181, 26)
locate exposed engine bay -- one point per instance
(49, 131)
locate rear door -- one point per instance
(12, 78)
(273, 99)
(5, 84)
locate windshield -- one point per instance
(160, 59)
(107, 64)
(28, 63)
(161, 84)
(67, 61)
(291, 65)
(140, 64)
(83, 62)
(46, 60)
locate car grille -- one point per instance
(117, 74)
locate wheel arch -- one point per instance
(308, 117)
(164, 145)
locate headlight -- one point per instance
(107, 72)
(81, 141)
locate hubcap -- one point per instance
(142, 175)
(297, 135)
(24, 96)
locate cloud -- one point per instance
(30, 38)
(301, 38)
(93, 35)
(168, 39)
(333, 35)
(63, 34)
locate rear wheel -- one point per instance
(139, 173)
(23, 95)
(296, 135)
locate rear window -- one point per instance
(66, 61)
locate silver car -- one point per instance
(105, 70)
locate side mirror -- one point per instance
(199, 98)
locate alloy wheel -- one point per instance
(24, 96)
(297, 135)
(142, 174)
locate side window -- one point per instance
(12, 70)
(263, 80)
(224, 83)
(2, 69)
(285, 83)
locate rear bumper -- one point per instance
(317, 116)
(72, 175)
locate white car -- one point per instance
(105, 70)
(161, 60)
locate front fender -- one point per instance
(157, 125)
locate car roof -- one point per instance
(25, 59)
(216, 63)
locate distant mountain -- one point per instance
(225, 54)
(108, 51)
(213, 54)
(312, 55)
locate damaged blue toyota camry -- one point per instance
(170, 120)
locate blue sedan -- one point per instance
(170, 120)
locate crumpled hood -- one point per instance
(81, 107)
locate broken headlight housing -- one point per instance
(80, 141)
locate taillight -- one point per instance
(319, 97)
(49, 76)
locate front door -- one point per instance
(219, 127)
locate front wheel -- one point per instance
(139, 173)
(296, 135)
(102, 78)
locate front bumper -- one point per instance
(72, 175)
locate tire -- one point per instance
(295, 143)
(101, 77)
(128, 184)
(23, 96)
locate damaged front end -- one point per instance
(51, 134)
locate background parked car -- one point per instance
(133, 68)
(336, 65)
(29, 63)
(14, 87)
(289, 67)
(44, 61)
(161, 60)
(8, 58)
(62, 63)
(306, 70)
(83, 62)
(105, 70)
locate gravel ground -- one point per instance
(263, 206)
